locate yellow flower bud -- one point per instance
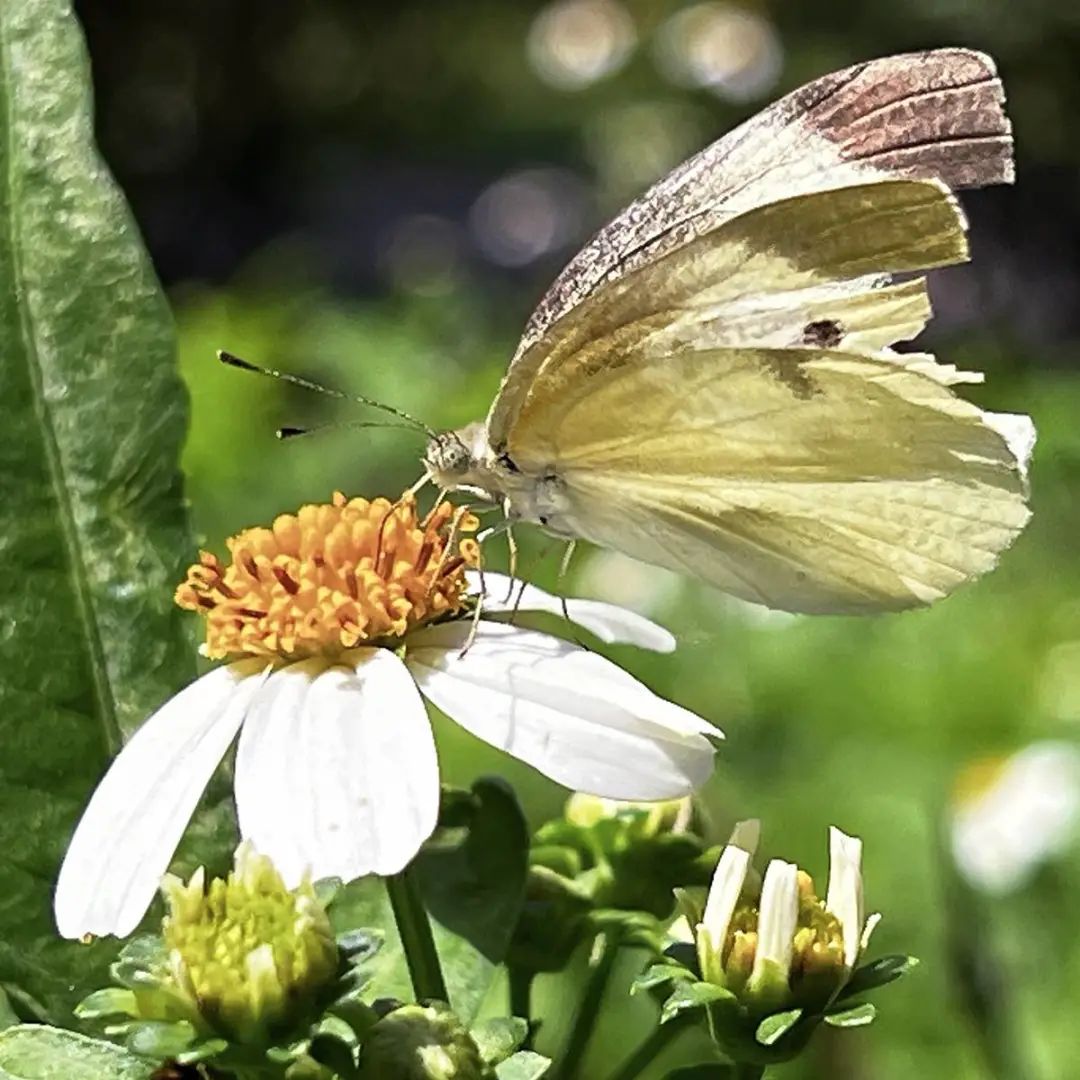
(252, 956)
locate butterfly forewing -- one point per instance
(936, 114)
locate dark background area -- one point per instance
(233, 124)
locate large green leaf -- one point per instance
(47, 1053)
(473, 887)
(93, 526)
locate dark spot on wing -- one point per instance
(823, 333)
(790, 372)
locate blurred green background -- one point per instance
(374, 196)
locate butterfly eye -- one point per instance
(446, 454)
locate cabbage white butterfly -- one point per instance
(710, 386)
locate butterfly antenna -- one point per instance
(296, 432)
(318, 388)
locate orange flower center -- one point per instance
(331, 577)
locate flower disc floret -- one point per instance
(332, 577)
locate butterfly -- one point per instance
(710, 385)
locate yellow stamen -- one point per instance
(331, 577)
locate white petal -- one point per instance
(778, 912)
(609, 622)
(135, 819)
(724, 890)
(746, 835)
(575, 716)
(336, 771)
(845, 896)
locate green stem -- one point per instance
(747, 1072)
(521, 985)
(601, 959)
(658, 1041)
(414, 929)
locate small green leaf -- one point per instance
(499, 1037)
(94, 528)
(857, 1016)
(473, 891)
(879, 973)
(773, 1028)
(524, 1065)
(36, 1052)
(693, 995)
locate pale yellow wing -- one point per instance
(763, 278)
(807, 480)
(936, 114)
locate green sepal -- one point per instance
(112, 1001)
(558, 858)
(684, 953)
(327, 889)
(856, 1016)
(332, 1053)
(773, 1028)
(498, 1038)
(696, 995)
(524, 1065)
(203, 1050)
(633, 928)
(158, 1040)
(660, 975)
(879, 972)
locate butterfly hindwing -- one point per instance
(804, 479)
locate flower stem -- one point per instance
(659, 1039)
(601, 960)
(415, 931)
(747, 1072)
(521, 984)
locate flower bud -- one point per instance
(780, 946)
(252, 956)
(421, 1042)
(649, 819)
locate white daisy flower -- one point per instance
(1010, 815)
(338, 622)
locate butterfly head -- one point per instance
(455, 459)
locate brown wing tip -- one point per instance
(935, 114)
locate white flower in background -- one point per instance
(772, 941)
(339, 621)
(1011, 815)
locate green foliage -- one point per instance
(472, 879)
(47, 1053)
(93, 521)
